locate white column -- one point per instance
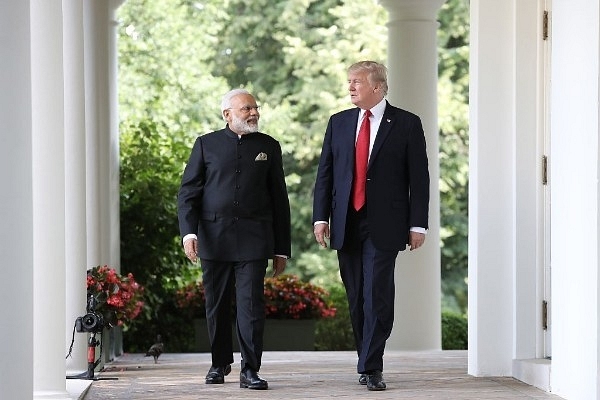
(114, 241)
(102, 143)
(113, 148)
(574, 171)
(16, 228)
(96, 124)
(492, 188)
(412, 67)
(75, 170)
(48, 173)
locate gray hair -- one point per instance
(226, 102)
(377, 73)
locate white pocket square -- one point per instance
(261, 157)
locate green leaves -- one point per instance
(453, 86)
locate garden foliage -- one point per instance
(178, 57)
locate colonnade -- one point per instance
(59, 171)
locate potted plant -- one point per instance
(291, 306)
(119, 299)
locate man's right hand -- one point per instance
(191, 249)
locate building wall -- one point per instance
(574, 173)
(506, 214)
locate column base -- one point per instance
(534, 372)
(51, 394)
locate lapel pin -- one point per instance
(389, 120)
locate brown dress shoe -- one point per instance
(217, 374)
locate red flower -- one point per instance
(191, 298)
(286, 297)
(119, 298)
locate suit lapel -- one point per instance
(349, 125)
(385, 128)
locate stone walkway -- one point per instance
(305, 375)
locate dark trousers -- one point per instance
(221, 281)
(368, 276)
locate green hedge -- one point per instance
(454, 331)
(336, 333)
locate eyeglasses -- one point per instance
(246, 109)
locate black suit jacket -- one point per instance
(397, 178)
(233, 196)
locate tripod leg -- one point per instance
(91, 355)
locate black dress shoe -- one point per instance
(363, 379)
(375, 381)
(217, 374)
(249, 379)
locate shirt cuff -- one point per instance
(188, 237)
(419, 230)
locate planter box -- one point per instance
(280, 335)
(289, 334)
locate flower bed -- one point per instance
(286, 297)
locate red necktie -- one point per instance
(361, 160)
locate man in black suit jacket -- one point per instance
(394, 214)
(234, 215)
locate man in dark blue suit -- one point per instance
(370, 213)
(234, 215)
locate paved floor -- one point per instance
(306, 375)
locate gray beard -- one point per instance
(240, 125)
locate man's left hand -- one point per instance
(416, 240)
(278, 265)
